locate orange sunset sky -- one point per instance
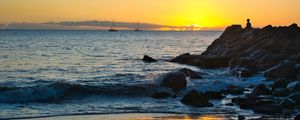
(200, 13)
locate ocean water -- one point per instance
(50, 73)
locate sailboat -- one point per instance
(112, 28)
(137, 27)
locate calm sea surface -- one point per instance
(47, 73)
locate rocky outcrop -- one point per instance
(249, 50)
(268, 46)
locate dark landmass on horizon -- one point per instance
(99, 25)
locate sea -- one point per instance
(71, 72)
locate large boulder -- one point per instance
(285, 69)
(190, 73)
(260, 89)
(147, 58)
(196, 99)
(174, 80)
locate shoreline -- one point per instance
(150, 116)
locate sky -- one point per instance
(197, 13)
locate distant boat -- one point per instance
(137, 27)
(112, 28)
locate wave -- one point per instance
(59, 91)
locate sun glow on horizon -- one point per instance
(185, 14)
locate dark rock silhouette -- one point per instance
(174, 80)
(196, 99)
(147, 58)
(268, 47)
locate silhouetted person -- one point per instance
(248, 26)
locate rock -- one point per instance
(295, 97)
(241, 117)
(260, 89)
(270, 109)
(280, 92)
(209, 62)
(174, 80)
(214, 62)
(243, 66)
(283, 70)
(243, 102)
(268, 46)
(294, 86)
(287, 103)
(213, 95)
(187, 58)
(297, 116)
(229, 104)
(160, 95)
(147, 58)
(190, 73)
(231, 89)
(281, 83)
(196, 99)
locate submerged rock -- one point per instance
(174, 80)
(147, 58)
(190, 73)
(196, 99)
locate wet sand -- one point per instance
(140, 116)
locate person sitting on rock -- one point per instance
(248, 26)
